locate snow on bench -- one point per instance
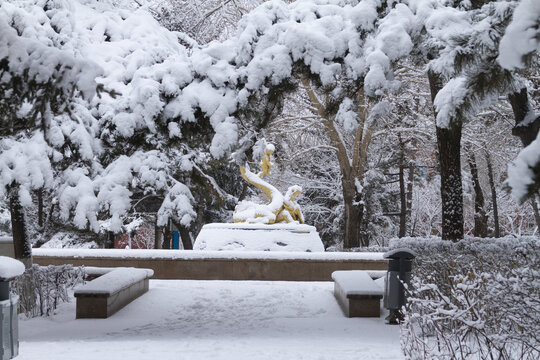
(357, 293)
(102, 297)
(93, 272)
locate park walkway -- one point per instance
(186, 319)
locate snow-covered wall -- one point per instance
(201, 255)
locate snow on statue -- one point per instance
(281, 209)
(276, 226)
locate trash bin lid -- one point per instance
(10, 268)
(400, 253)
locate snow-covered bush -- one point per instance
(42, 288)
(474, 299)
(69, 239)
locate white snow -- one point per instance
(215, 320)
(188, 255)
(522, 36)
(449, 99)
(10, 268)
(25, 162)
(520, 173)
(258, 237)
(357, 282)
(114, 281)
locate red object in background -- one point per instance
(143, 238)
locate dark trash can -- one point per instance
(399, 272)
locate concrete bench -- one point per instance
(357, 293)
(105, 295)
(92, 272)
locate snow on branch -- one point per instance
(522, 36)
(524, 171)
(25, 163)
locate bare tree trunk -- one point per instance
(40, 207)
(167, 236)
(410, 184)
(21, 244)
(449, 146)
(158, 236)
(403, 201)
(493, 196)
(109, 241)
(354, 213)
(480, 217)
(352, 170)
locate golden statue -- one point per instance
(281, 209)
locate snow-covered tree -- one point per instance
(41, 120)
(519, 49)
(202, 20)
(174, 109)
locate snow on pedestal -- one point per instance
(259, 237)
(10, 268)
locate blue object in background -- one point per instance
(176, 240)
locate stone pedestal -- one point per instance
(258, 237)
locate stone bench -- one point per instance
(105, 295)
(93, 272)
(357, 293)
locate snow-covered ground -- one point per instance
(184, 319)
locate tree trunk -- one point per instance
(493, 196)
(109, 241)
(449, 146)
(167, 236)
(354, 212)
(40, 207)
(183, 232)
(410, 184)
(403, 201)
(200, 215)
(352, 170)
(158, 237)
(186, 239)
(480, 217)
(21, 245)
(525, 129)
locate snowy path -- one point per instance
(179, 319)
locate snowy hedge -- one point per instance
(477, 298)
(42, 288)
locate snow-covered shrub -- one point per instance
(42, 288)
(474, 299)
(5, 220)
(69, 240)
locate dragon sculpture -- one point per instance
(281, 209)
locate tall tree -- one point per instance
(37, 84)
(519, 50)
(480, 216)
